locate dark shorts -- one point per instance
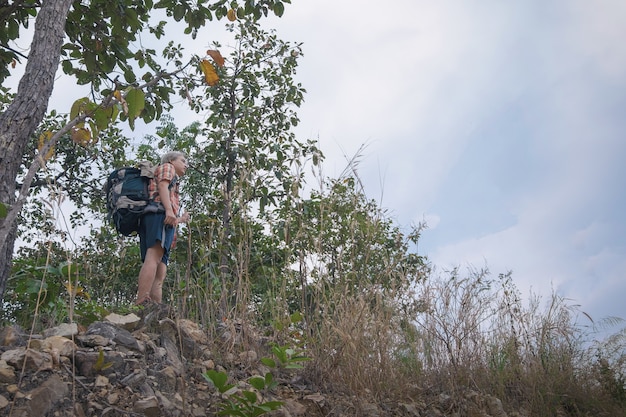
(151, 231)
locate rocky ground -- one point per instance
(156, 366)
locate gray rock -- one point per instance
(30, 360)
(118, 335)
(135, 379)
(169, 334)
(13, 336)
(93, 340)
(7, 374)
(44, 398)
(87, 363)
(3, 402)
(148, 407)
(128, 322)
(65, 330)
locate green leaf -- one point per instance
(106, 116)
(68, 268)
(232, 412)
(280, 353)
(34, 286)
(296, 317)
(257, 382)
(129, 76)
(220, 12)
(272, 405)
(279, 9)
(13, 29)
(218, 379)
(79, 107)
(250, 396)
(101, 116)
(179, 12)
(4, 210)
(269, 381)
(268, 362)
(136, 100)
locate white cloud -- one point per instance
(565, 94)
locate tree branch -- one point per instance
(13, 50)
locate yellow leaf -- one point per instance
(76, 291)
(210, 76)
(118, 95)
(100, 364)
(217, 57)
(43, 139)
(231, 15)
(81, 136)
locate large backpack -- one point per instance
(126, 192)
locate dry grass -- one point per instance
(347, 290)
(473, 334)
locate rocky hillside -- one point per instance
(157, 366)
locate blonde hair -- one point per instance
(171, 156)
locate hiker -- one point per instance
(157, 229)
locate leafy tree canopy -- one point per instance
(109, 46)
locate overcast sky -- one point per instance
(502, 124)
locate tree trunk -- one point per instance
(19, 121)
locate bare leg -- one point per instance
(148, 273)
(156, 292)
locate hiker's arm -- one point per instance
(164, 194)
